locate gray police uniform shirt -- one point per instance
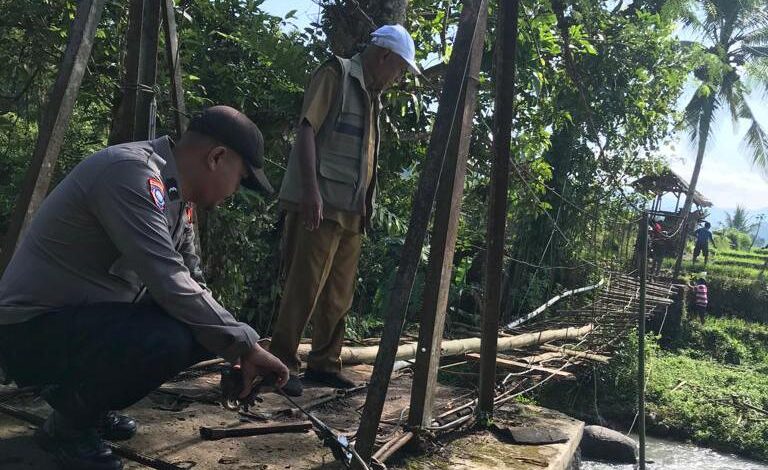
(115, 226)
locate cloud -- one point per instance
(727, 178)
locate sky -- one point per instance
(727, 177)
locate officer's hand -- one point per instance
(259, 362)
(312, 206)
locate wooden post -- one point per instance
(440, 270)
(54, 123)
(144, 119)
(506, 45)
(470, 30)
(172, 52)
(122, 125)
(643, 237)
(133, 115)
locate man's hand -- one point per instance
(312, 208)
(259, 362)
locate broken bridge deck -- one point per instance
(170, 420)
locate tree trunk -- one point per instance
(348, 24)
(704, 125)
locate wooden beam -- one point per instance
(134, 120)
(174, 63)
(122, 124)
(445, 228)
(510, 364)
(400, 291)
(506, 44)
(144, 119)
(53, 125)
(214, 434)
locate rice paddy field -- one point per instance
(736, 279)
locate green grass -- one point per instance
(727, 263)
(721, 359)
(690, 391)
(702, 408)
(740, 254)
(728, 340)
(734, 261)
(713, 268)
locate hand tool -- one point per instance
(232, 386)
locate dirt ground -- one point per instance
(170, 420)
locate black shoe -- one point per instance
(115, 427)
(294, 387)
(331, 379)
(76, 450)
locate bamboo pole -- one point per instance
(551, 302)
(575, 353)
(367, 354)
(388, 450)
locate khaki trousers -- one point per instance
(320, 269)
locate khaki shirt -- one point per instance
(117, 225)
(318, 98)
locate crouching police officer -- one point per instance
(104, 299)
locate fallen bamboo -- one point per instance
(539, 358)
(577, 354)
(510, 364)
(551, 302)
(457, 347)
(388, 450)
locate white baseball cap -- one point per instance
(395, 38)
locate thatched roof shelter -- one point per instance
(668, 182)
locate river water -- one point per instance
(670, 455)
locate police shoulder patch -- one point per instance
(157, 191)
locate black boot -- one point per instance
(115, 427)
(331, 379)
(76, 449)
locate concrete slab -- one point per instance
(170, 422)
(484, 450)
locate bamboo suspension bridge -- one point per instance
(553, 342)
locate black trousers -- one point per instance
(701, 247)
(96, 358)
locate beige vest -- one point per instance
(342, 156)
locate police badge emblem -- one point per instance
(157, 191)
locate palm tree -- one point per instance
(734, 42)
(739, 220)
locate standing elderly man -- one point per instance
(328, 193)
(104, 299)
